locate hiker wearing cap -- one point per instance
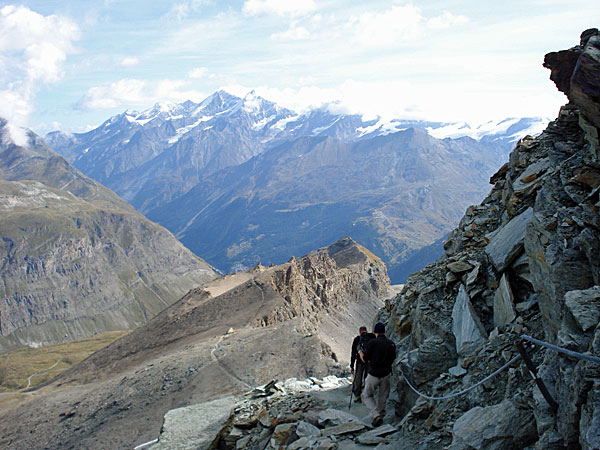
(359, 345)
(379, 354)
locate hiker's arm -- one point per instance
(362, 356)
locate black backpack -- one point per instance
(363, 340)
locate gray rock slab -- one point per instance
(457, 371)
(195, 427)
(303, 443)
(466, 326)
(348, 427)
(526, 306)
(376, 436)
(531, 178)
(472, 277)
(496, 427)
(459, 266)
(504, 307)
(585, 306)
(332, 416)
(507, 243)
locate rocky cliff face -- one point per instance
(77, 259)
(524, 261)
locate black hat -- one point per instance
(379, 328)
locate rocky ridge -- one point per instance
(524, 261)
(76, 258)
(220, 340)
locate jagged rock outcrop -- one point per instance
(524, 261)
(77, 259)
(575, 72)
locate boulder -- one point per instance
(432, 357)
(507, 243)
(305, 429)
(585, 306)
(281, 434)
(466, 326)
(497, 427)
(195, 427)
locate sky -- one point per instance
(69, 65)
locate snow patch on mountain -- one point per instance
(281, 124)
(381, 128)
(490, 129)
(180, 132)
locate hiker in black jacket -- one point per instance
(359, 345)
(379, 355)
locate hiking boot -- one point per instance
(377, 421)
(357, 399)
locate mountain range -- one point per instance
(243, 180)
(76, 258)
(515, 296)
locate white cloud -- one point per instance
(279, 7)
(33, 48)
(294, 32)
(182, 10)
(401, 23)
(130, 92)
(198, 72)
(446, 20)
(125, 91)
(427, 100)
(129, 62)
(176, 90)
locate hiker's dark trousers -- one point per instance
(360, 373)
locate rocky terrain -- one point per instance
(243, 180)
(76, 258)
(234, 333)
(524, 262)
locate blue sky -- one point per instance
(71, 64)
